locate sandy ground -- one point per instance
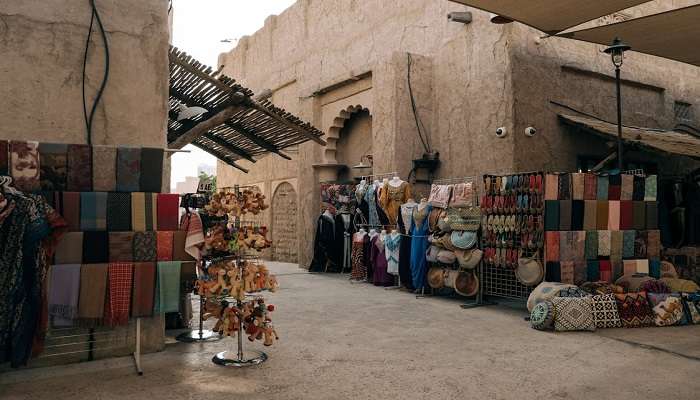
(354, 341)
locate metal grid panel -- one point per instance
(501, 282)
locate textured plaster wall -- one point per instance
(571, 72)
(41, 55)
(42, 44)
(459, 81)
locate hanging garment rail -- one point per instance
(465, 179)
(637, 172)
(392, 174)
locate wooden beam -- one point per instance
(221, 156)
(210, 121)
(228, 146)
(606, 160)
(257, 140)
(288, 124)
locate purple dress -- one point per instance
(378, 259)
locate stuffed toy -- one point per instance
(249, 277)
(230, 321)
(271, 283)
(261, 278)
(268, 330)
(236, 284)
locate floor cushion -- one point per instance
(634, 310)
(573, 314)
(691, 303)
(605, 313)
(668, 309)
(681, 285)
(542, 316)
(545, 291)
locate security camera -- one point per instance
(530, 131)
(501, 132)
(461, 17)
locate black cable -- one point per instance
(426, 146)
(88, 120)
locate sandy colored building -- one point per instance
(42, 45)
(344, 65)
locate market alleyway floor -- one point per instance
(341, 340)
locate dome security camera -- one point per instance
(501, 132)
(530, 131)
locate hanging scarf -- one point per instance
(590, 215)
(144, 287)
(590, 190)
(650, 188)
(54, 166)
(151, 211)
(152, 164)
(79, 172)
(654, 244)
(613, 215)
(606, 271)
(565, 214)
(639, 221)
(603, 183)
(138, 211)
(93, 211)
(591, 252)
(578, 186)
(164, 241)
(128, 169)
(70, 210)
(167, 292)
(628, 243)
(121, 246)
(119, 211)
(179, 253)
(119, 294)
(70, 248)
(567, 272)
(64, 290)
(551, 215)
(565, 187)
(192, 224)
(626, 215)
(593, 271)
(652, 215)
(614, 187)
(639, 189)
(552, 242)
(95, 247)
(145, 246)
(604, 243)
(25, 165)
(168, 211)
(577, 215)
(551, 187)
(104, 168)
(602, 211)
(616, 244)
(627, 187)
(93, 291)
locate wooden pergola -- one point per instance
(235, 126)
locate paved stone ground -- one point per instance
(355, 341)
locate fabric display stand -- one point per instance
(603, 257)
(113, 254)
(232, 275)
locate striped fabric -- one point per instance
(93, 211)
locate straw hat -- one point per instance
(436, 277)
(463, 239)
(467, 283)
(469, 259)
(529, 271)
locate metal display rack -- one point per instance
(241, 358)
(499, 281)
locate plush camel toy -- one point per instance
(213, 309)
(230, 321)
(272, 284)
(235, 284)
(249, 277)
(261, 278)
(220, 286)
(268, 330)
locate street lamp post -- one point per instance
(617, 52)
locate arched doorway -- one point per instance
(284, 224)
(354, 141)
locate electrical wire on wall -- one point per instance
(422, 134)
(95, 16)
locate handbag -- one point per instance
(446, 257)
(440, 195)
(469, 259)
(431, 254)
(463, 239)
(464, 219)
(529, 271)
(462, 195)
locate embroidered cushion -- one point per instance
(605, 312)
(655, 286)
(634, 310)
(691, 303)
(668, 309)
(542, 316)
(545, 291)
(573, 314)
(573, 291)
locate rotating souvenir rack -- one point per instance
(230, 277)
(513, 228)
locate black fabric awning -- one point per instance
(235, 126)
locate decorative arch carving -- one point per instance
(338, 124)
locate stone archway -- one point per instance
(285, 235)
(334, 131)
